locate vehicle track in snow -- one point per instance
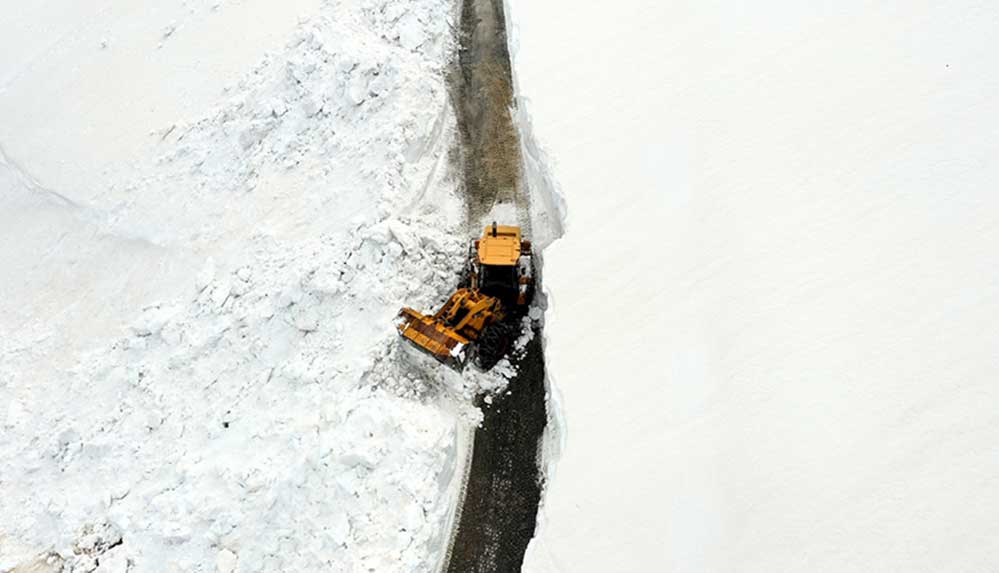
(481, 89)
(497, 518)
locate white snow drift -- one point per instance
(775, 314)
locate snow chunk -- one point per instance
(405, 236)
(17, 414)
(225, 561)
(206, 275)
(153, 319)
(411, 34)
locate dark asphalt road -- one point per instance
(499, 515)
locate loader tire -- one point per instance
(492, 345)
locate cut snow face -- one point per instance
(775, 318)
(239, 401)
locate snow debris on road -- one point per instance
(256, 412)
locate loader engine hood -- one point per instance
(499, 246)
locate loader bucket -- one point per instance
(433, 337)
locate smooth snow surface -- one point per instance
(83, 83)
(210, 213)
(775, 314)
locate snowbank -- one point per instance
(199, 370)
(774, 316)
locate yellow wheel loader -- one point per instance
(478, 322)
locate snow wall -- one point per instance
(773, 319)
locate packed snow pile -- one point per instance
(199, 369)
(241, 420)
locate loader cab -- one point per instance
(499, 281)
(502, 268)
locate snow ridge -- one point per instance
(549, 216)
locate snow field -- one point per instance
(256, 412)
(773, 318)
